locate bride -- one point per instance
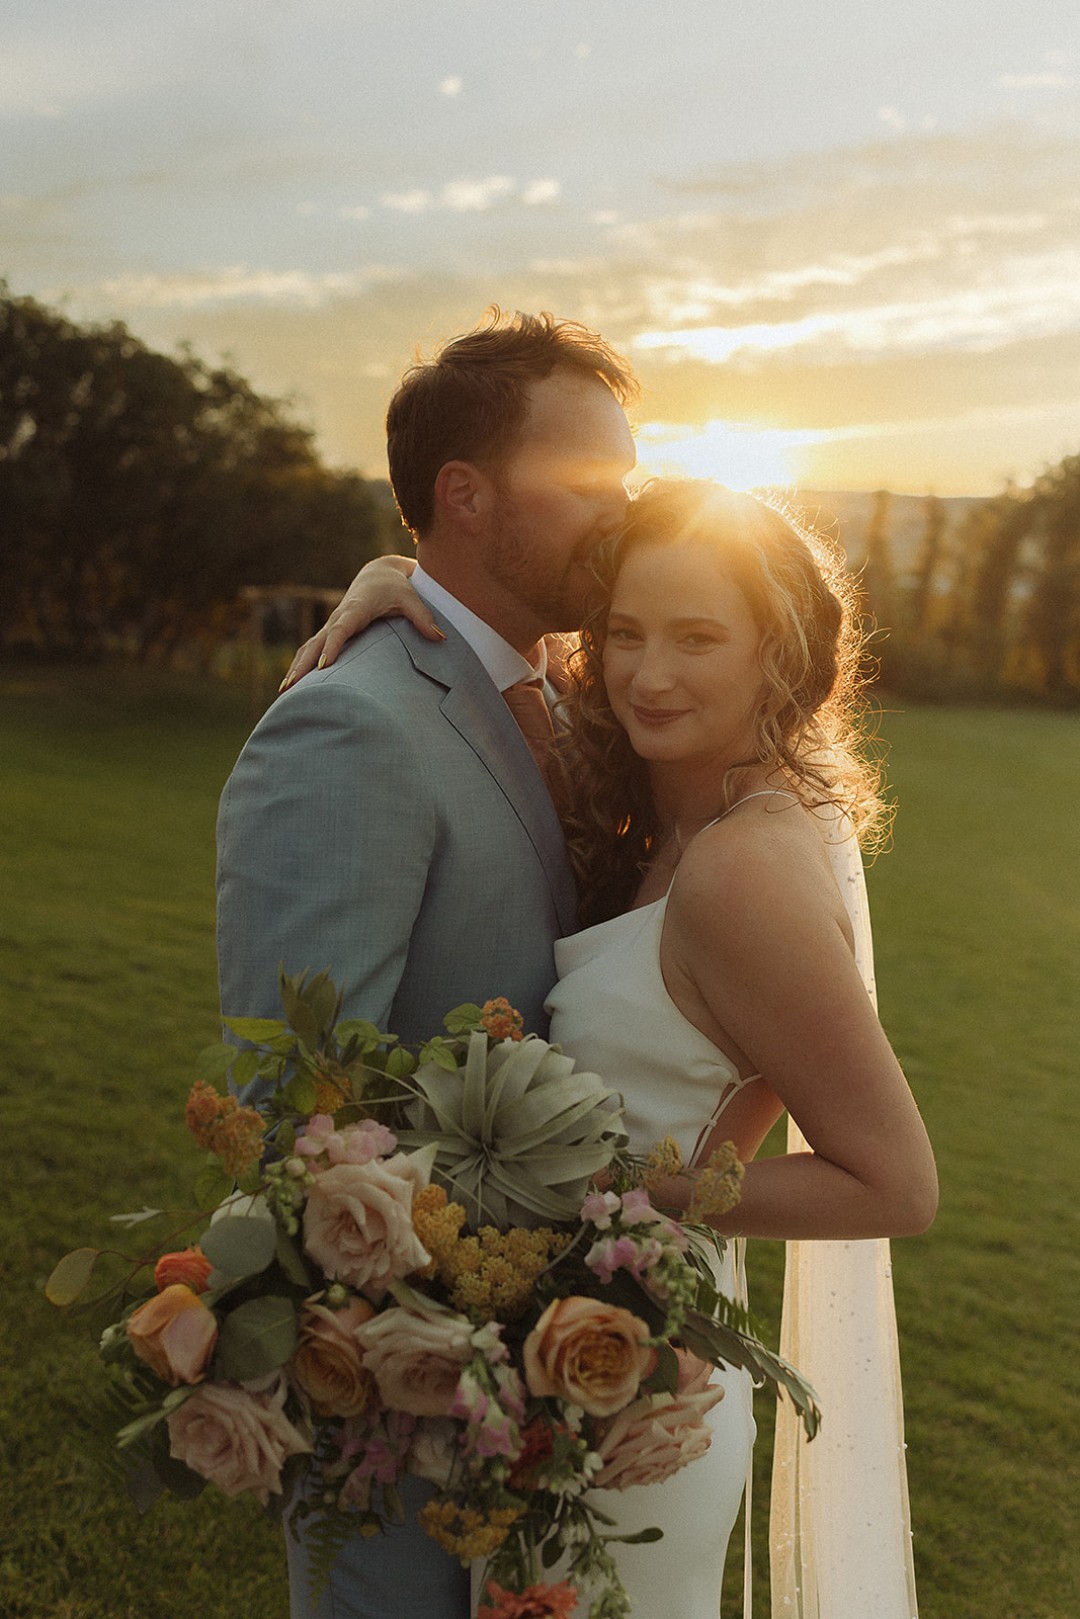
(716, 983)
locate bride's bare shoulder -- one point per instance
(765, 858)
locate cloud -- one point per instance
(451, 86)
(415, 201)
(538, 193)
(475, 196)
(232, 284)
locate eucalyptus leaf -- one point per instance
(256, 1338)
(644, 1537)
(240, 1245)
(71, 1276)
(144, 1483)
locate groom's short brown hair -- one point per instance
(469, 402)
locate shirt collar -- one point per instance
(504, 663)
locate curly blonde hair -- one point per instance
(809, 727)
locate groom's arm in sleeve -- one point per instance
(325, 836)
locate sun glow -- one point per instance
(735, 453)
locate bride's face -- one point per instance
(681, 657)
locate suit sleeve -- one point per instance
(325, 835)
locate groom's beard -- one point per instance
(560, 591)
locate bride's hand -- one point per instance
(380, 590)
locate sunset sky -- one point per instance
(840, 241)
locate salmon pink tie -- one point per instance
(527, 704)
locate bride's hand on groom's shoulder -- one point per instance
(380, 590)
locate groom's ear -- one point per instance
(462, 494)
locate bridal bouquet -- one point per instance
(398, 1263)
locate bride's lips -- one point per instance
(657, 716)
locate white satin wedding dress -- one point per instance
(611, 1012)
(840, 1524)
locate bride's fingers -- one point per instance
(347, 620)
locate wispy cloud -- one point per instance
(473, 196)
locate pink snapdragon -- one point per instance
(355, 1144)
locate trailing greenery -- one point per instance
(107, 994)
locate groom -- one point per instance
(387, 819)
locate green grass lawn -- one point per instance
(107, 804)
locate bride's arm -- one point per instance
(753, 927)
(380, 590)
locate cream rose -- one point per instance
(358, 1223)
(416, 1360)
(328, 1363)
(239, 1438)
(175, 1334)
(654, 1438)
(590, 1353)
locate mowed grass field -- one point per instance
(107, 801)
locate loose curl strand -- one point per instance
(810, 729)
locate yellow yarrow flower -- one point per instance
(464, 1532)
(717, 1185)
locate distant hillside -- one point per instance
(842, 513)
(846, 515)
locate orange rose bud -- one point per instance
(190, 1266)
(175, 1334)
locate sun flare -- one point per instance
(737, 454)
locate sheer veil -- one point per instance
(840, 1527)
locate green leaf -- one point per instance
(364, 1033)
(258, 1031)
(244, 1068)
(288, 1257)
(71, 1276)
(664, 1379)
(256, 1338)
(644, 1537)
(212, 1184)
(214, 1062)
(300, 1094)
(400, 1062)
(240, 1245)
(463, 1019)
(440, 1052)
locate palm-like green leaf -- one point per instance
(518, 1132)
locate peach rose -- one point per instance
(190, 1265)
(358, 1223)
(175, 1334)
(416, 1360)
(239, 1438)
(592, 1354)
(654, 1438)
(328, 1363)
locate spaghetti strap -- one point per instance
(763, 792)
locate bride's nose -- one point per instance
(653, 674)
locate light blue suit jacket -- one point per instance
(386, 820)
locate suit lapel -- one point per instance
(479, 714)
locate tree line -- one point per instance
(140, 493)
(989, 606)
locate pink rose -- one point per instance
(654, 1438)
(239, 1438)
(175, 1334)
(592, 1354)
(358, 1223)
(416, 1360)
(328, 1363)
